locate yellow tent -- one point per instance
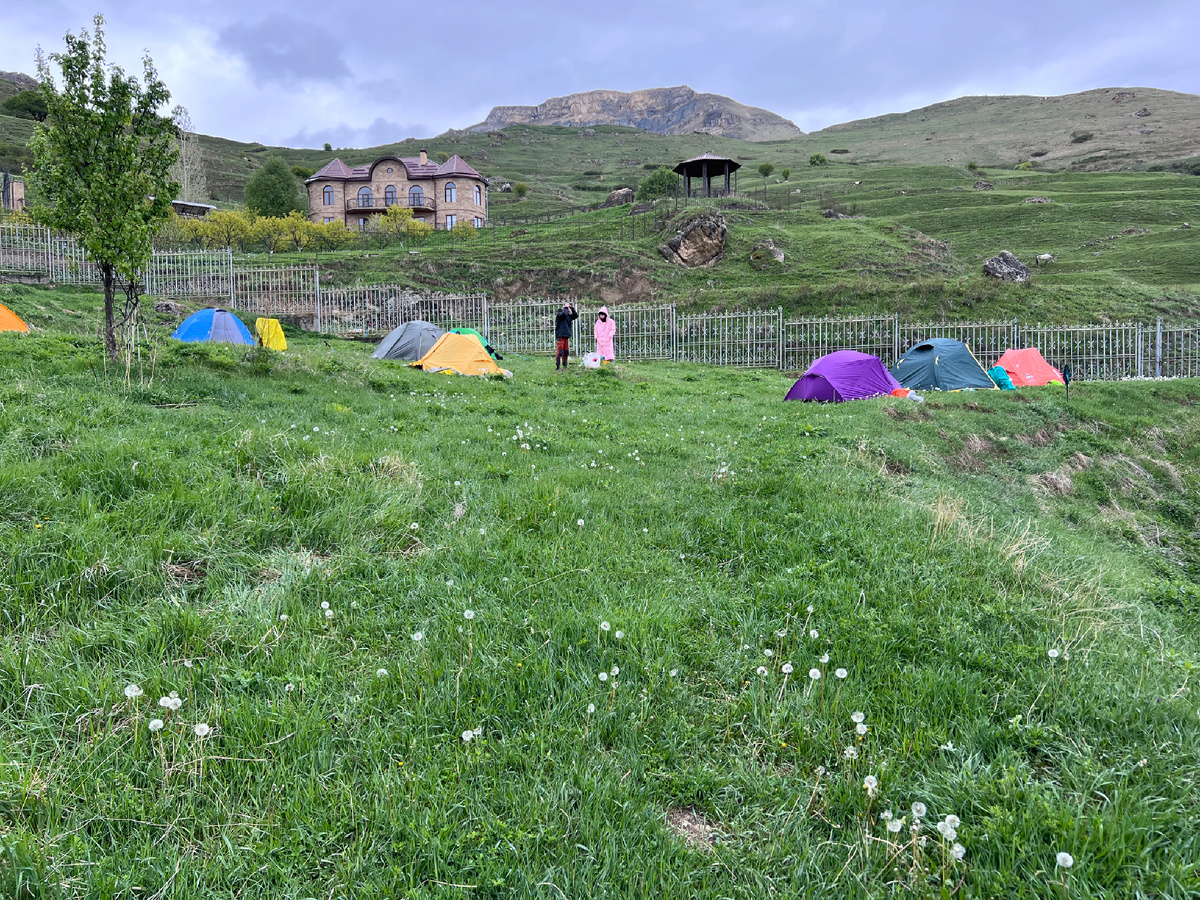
(270, 334)
(10, 321)
(460, 354)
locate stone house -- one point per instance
(12, 193)
(440, 195)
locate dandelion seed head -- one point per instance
(857, 717)
(418, 636)
(283, 617)
(850, 753)
(953, 821)
(591, 708)
(861, 728)
(918, 810)
(132, 691)
(824, 660)
(616, 670)
(467, 736)
(894, 825)
(814, 674)
(381, 673)
(155, 725)
(579, 522)
(673, 672)
(603, 676)
(814, 634)
(201, 730)
(604, 626)
(468, 614)
(787, 668)
(414, 527)
(324, 604)
(958, 851)
(620, 634)
(1052, 653)
(329, 613)
(289, 687)
(871, 784)
(762, 671)
(841, 673)
(768, 653)
(1065, 860)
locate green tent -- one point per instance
(471, 332)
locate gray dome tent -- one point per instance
(410, 341)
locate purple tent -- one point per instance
(844, 375)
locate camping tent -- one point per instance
(941, 364)
(843, 375)
(217, 325)
(471, 332)
(460, 354)
(410, 341)
(10, 321)
(1000, 377)
(1028, 367)
(270, 334)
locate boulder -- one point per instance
(699, 242)
(983, 186)
(1007, 267)
(1037, 200)
(166, 306)
(506, 188)
(619, 197)
(1142, 113)
(763, 253)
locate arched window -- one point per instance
(327, 196)
(478, 195)
(451, 192)
(389, 196)
(364, 197)
(416, 196)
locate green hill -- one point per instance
(552, 636)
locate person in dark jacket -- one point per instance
(562, 332)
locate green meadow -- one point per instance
(311, 625)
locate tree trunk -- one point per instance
(110, 338)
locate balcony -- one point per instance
(421, 201)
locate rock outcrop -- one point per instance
(20, 80)
(700, 242)
(1007, 267)
(764, 253)
(1037, 200)
(984, 186)
(674, 110)
(619, 197)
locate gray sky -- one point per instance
(357, 74)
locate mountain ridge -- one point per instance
(670, 110)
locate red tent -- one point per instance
(1026, 368)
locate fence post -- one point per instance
(895, 338)
(487, 330)
(317, 291)
(1016, 335)
(232, 285)
(1158, 349)
(779, 342)
(1140, 372)
(674, 333)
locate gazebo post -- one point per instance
(726, 178)
(704, 176)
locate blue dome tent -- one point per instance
(217, 325)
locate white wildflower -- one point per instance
(858, 717)
(850, 753)
(381, 673)
(894, 825)
(787, 668)
(1065, 860)
(870, 785)
(814, 674)
(132, 691)
(953, 821)
(918, 810)
(958, 851)
(418, 636)
(201, 730)
(604, 626)
(467, 736)
(603, 676)
(1052, 653)
(841, 673)
(762, 671)
(861, 728)
(156, 725)
(468, 614)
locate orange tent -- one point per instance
(460, 354)
(10, 321)
(1027, 367)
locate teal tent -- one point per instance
(941, 364)
(1001, 378)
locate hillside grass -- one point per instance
(180, 527)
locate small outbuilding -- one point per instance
(706, 167)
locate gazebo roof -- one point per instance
(695, 165)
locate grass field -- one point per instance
(548, 602)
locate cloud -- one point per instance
(380, 131)
(281, 50)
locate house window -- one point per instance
(450, 220)
(362, 223)
(364, 197)
(451, 192)
(420, 219)
(478, 222)
(478, 195)
(389, 196)
(327, 220)
(416, 197)
(327, 196)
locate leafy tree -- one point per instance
(786, 173)
(26, 105)
(268, 231)
(441, 156)
(328, 147)
(301, 172)
(766, 169)
(226, 229)
(299, 231)
(272, 190)
(818, 159)
(394, 222)
(520, 189)
(102, 164)
(662, 182)
(330, 236)
(418, 230)
(464, 230)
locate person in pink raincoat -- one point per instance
(604, 331)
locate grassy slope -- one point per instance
(943, 547)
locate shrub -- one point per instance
(662, 183)
(1024, 166)
(272, 190)
(818, 159)
(839, 150)
(301, 172)
(972, 166)
(786, 173)
(327, 147)
(1079, 137)
(766, 169)
(441, 156)
(26, 105)
(520, 189)
(1037, 153)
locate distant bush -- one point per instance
(972, 166)
(520, 189)
(662, 183)
(301, 172)
(328, 147)
(766, 169)
(441, 156)
(786, 173)
(840, 150)
(25, 105)
(1080, 137)
(1024, 166)
(818, 159)
(593, 172)
(650, 166)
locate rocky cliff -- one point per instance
(674, 110)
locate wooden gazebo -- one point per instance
(706, 167)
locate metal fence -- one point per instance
(376, 309)
(643, 331)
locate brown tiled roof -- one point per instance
(339, 171)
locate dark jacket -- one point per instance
(562, 322)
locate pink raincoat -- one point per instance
(605, 329)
